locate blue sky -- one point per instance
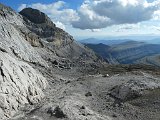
(98, 18)
(16, 3)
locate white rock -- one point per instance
(19, 84)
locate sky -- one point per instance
(98, 18)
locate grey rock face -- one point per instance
(13, 41)
(41, 25)
(36, 16)
(19, 83)
(53, 38)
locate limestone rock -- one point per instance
(19, 84)
(13, 41)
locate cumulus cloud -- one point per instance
(90, 19)
(96, 14)
(57, 11)
(22, 6)
(154, 27)
(60, 25)
(156, 15)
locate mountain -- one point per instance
(116, 40)
(106, 42)
(130, 52)
(154, 41)
(100, 49)
(151, 60)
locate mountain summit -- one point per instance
(36, 16)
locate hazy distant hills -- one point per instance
(106, 42)
(154, 41)
(118, 41)
(129, 52)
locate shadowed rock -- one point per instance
(57, 112)
(36, 16)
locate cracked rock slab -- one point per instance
(19, 84)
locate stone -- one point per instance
(132, 89)
(57, 112)
(20, 84)
(88, 94)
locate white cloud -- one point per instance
(49, 8)
(96, 30)
(156, 15)
(96, 14)
(152, 27)
(60, 25)
(22, 6)
(57, 11)
(127, 27)
(90, 19)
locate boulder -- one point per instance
(57, 112)
(132, 89)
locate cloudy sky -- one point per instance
(98, 18)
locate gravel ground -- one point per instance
(87, 97)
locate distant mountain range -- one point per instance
(129, 52)
(106, 42)
(117, 41)
(154, 41)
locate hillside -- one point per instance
(29, 45)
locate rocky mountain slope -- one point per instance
(27, 40)
(19, 82)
